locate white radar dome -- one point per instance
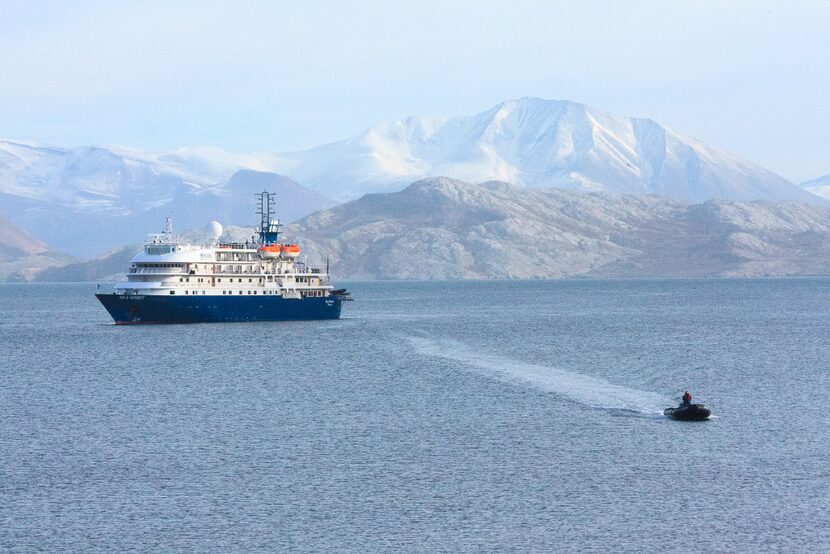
(214, 230)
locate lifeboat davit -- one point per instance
(289, 251)
(269, 251)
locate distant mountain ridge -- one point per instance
(22, 256)
(819, 186)
(449, 229)
(90, 199)
(536, 143)
(85, 200)
(15, 242)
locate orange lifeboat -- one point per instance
(290, 251)
(269, 251)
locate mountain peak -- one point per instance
(537, 143)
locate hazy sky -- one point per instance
(749, 76)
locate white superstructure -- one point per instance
(168, 267)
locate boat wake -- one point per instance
(580, 388)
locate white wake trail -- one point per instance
(584, 389)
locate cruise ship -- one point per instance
(260, 280)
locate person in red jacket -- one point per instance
(687, 398)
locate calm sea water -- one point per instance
(495, 416)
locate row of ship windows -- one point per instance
(247, 268)
(235, 257)
(219, 280)
(265, 292)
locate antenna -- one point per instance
(265, 206)
(168, 227)
(268, 233)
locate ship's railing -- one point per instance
(239, 270)
(253, 270)
(235, 245)
(301, 271)
(155, 270)
(236, 257)
(220, 269)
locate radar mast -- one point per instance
(269, 229)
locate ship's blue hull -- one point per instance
(132, 309)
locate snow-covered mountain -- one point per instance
(85, 200)
(536, 143)
(819, 187)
